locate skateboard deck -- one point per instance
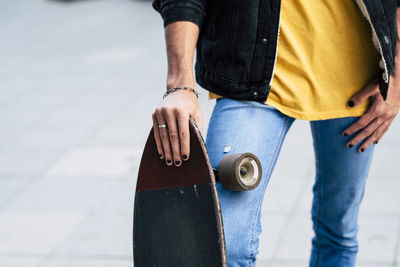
(177, 216)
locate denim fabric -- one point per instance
(237, 44)
(341, 173)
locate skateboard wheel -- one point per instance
(240, 172)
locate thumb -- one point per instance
(371, 89)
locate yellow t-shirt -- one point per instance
(325, 55)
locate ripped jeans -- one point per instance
(341, 174)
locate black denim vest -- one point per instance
(237, 46)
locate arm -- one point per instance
(181, 39)
(173, 142)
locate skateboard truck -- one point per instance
(239, 172)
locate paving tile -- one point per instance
(108, 162)
(20, 261)
(9, 187)
(69, 103)
(261, 262)
(374, 264)
(8, 138)
(300, 134)
(38, 101)
(116, 55)
(121, 135)
(25, 162)
(272, 231)
(377, 237)
(120, 198)
(19, 120)
(280, 263)
(382, 195)
(87, 263)
(391, 136)
(101, 235)
(281, 194)
(79, 115)
(51, 138)
(384, 162)
(60, 195)
(305, 200)
(8, 97)
(305, 264)
(35, 233)
(295, 244)
(396, 259)
(297, 145)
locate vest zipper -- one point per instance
(375, 40)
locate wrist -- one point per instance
(186, 88)
(181, 80)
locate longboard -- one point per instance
(177, 215)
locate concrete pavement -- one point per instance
(78, 83)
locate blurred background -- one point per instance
(78, 83)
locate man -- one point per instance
(323, 68)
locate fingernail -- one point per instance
(349, 145)
(362, 149)
(184, 157)
(350, 103)
(177, 162)
(345, 134)
(160, 155)
(168, 161)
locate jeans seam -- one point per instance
(319, 189)
(251, 256)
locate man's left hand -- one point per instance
(372, 125)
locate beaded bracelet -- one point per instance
(181, 88)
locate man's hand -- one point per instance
(173, 141)
(372, 125)
(377, 120)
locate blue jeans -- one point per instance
(341, 173)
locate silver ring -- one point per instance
(162, 126)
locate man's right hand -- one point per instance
(173, 141)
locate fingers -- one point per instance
(364, 133)
(371, 89)
(361, 123)
(375, 136)
(173, 141)
(173, 136)
(184, 135)
(157, 136)
(372, 133)
(381, 131)
(371, 126)
(164, 137)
